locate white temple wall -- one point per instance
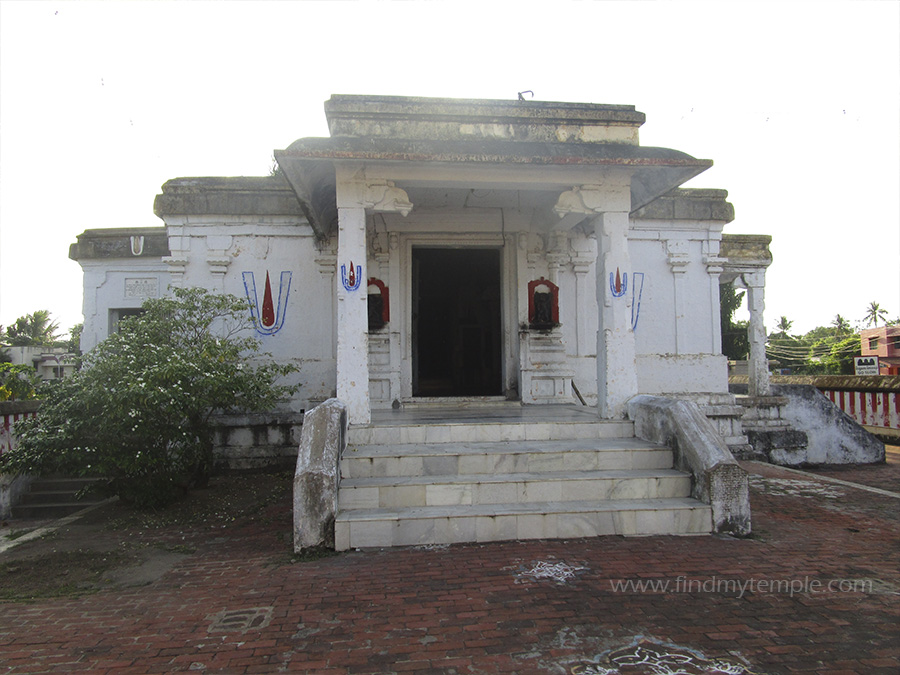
(677, 330)
(234, 255)
(671, 290)
(112, 285)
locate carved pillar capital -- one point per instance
(375, 195)
(177, 265)
(591, 200)
(677, 255)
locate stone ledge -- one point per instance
(688, 204)
(750, 249)
(243, 195)
(119, 243)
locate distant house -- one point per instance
(883, 342)
(51, 363)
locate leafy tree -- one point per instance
(139, 410)
(874, 314)
(735, 343)
(839, 360)
(73, 344)
(32, 330)
(4, 353)
(17, 382)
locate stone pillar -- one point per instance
(179, 247)
(714, 267)
(353, 324)
(218, 259)
(354, 195)
(583, 331)
(678, 257)
(755, 283)
(616, 364)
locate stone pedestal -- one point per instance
(546, 374)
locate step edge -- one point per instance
(521, 509)
(521, 477)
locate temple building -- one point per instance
(461, 253)
(453, 248)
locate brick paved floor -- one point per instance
(708, 604)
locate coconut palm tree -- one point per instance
(32, 329)
(841, 325)
(783, 326)
(874, 314)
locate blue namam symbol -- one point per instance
(353, 280)
(268, 318)
(618, 286)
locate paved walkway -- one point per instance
(815, 590)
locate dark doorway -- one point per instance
(456, 334)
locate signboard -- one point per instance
(866, 365)
(142, 288)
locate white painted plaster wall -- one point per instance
(677, 332)
(219, 249)
(105, 289)
(275, 245)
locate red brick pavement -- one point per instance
(238, 605)
(886, 477)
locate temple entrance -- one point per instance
(456, 333)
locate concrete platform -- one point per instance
(813, 591)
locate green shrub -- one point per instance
(138, 411)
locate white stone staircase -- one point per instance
(439, 482)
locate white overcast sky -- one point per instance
(798, 104)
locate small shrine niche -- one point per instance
(543, 304)
(378, 304)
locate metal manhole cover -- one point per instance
(240, 620)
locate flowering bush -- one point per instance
(17, 383)
(138, 412)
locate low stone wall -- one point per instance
(256, 440)
(317, 477)
(718, 480)
(241, 441)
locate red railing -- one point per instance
(871, 400)
(869, 408)
(10, 413)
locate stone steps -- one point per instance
(466, 431)
(513, 488)
(54, 498)
(444, 481)
(416, 526)
(502, 457)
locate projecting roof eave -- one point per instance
(309, 163)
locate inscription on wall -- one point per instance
(141, 288)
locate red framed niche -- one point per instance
(543, 304)
(379, 304)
